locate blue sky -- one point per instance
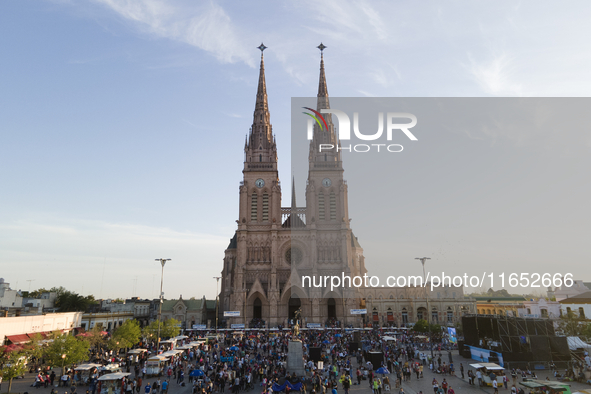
(122, 123)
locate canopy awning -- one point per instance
(18, 339)
(86, 367)
(489, 366)
(114, 376)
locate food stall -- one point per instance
(487, 370)
(547, 386)
(109, 369)
(113, 383)
(134, 354)
(155, 365)
(86, 371)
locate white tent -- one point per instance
(575, 343)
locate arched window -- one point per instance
(581, 313)
(253, 207)
(321, 206)
(265, 207)
(333, 206)
(404, 316)
(260, 158)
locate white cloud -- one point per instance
(496, 76)
(206, 26)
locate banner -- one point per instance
(451, 331)
(359, 311)
(313, 325)
(237, 326)
(199, 326)
(231, 313)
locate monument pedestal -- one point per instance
(295, 358)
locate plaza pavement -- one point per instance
(414, 386)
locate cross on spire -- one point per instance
(262, 47)
(322, 47)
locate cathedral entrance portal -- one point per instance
(294, 304)
(332, 308)
(257, 309)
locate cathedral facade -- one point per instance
(274, 246)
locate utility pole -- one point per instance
(217, 284)
(423, 259)
(162, 262)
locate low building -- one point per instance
(503, 306)
(188, 312)
(20, 329)
(107, 320)
(405, 306)
(564, 292)
(11, 301)
(540, 309)
(579, 304)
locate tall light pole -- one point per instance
(217, 313)
(423, 259)
(162, 262)
(244, 309)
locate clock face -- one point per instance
(326, 182)
(259, 183)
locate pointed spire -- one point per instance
(322, 102)
(293, 194)
(322, 89)
(261, 103)
(261, 146)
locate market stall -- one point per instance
(113, 383)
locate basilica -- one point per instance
(274, 246)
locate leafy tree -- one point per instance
(66, 350)
(95, 337)
(421, 326)
(38, 293)
(168, 328)
(34, 348)
(13, 364)
(126, 335)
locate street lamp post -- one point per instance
(217, 283)
(63, 361)
(162, 262)
(423, 259)
(244, 308)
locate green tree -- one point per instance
(34, 348)
(126, 335)
(569, 323)
(12, 365)
(168, 328)
(95, 337)
(66, 350)
(38, 293)
(420, 326)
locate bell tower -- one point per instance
(260, 191)
(326, 194)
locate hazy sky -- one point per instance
(122, 123)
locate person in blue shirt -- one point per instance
(148, 388)
(165, 387)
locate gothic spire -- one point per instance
(326, 134)
(261, 145)
(322, 88)
(261, 109)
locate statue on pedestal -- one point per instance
(295, 330)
